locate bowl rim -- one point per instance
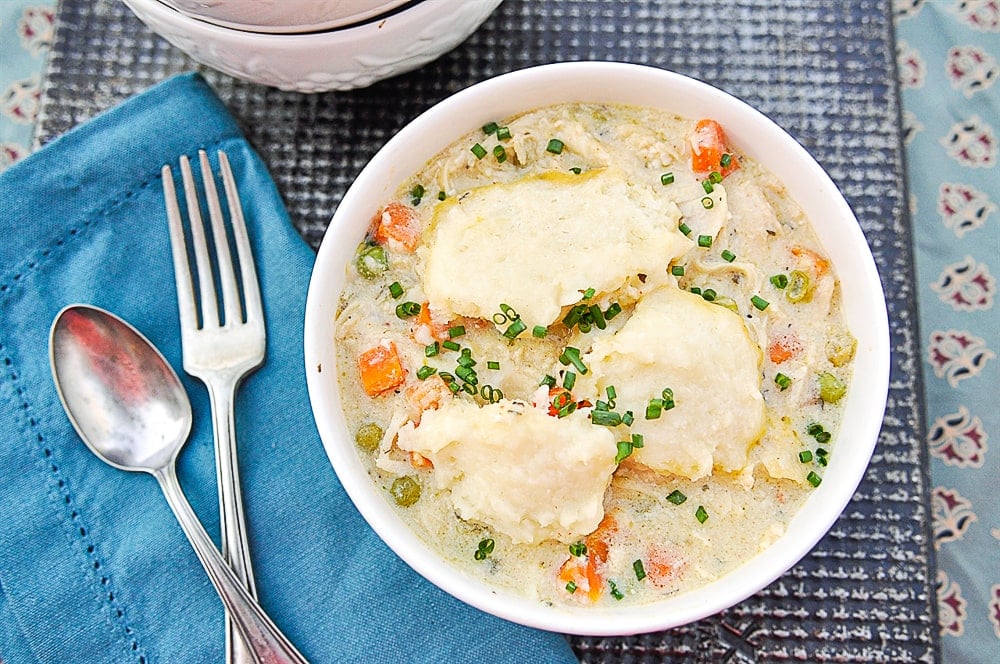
(381, 10)
(612, 82)
(414, 13)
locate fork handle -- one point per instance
(235, 548)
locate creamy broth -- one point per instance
(593, 354)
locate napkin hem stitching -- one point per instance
(110, 608)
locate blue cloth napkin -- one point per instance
(93, 566)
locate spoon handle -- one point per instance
(268, 644)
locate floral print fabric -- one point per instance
(949, 62)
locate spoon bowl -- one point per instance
(130, 409)
(127, 403)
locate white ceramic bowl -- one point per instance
(284, 16)
(342, 59)
(756, 136)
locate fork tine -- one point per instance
(206, 281)
(187, 307)
(227, 277)
(251, 288)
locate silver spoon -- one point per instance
(131, 410)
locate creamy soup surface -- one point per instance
(593, 354)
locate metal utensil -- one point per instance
(219, 350)
(131, 410)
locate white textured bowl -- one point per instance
(343, 59)
(282, 16)
(757, 137)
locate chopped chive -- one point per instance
(821, 460)
(503, 133)
(617, 594)
(432, 350)
(467, 374)
(605, 418)
(425, 372)
(628, 418)
(572, 356)
(624, 450)
(638, 441)
(613, 310)
(567, 409)
(728, 256)
(805, 456)
(701, 514)
(779, 281)
(640, 572)
(442, 195)
(569, 380)
(823, 437)
(578, 549)
(715, 177)
(602, 406)
(576, 170)
(821, 451)
(759, 302)
(407, 309)
(667, 178)
(571, 587)
(813, 478)
(509, 312)
(676, 497)
(500, 153)
(450, 345)
(709, 294)
(395, 290)
(782, 381)
(478, 150)
(707, 186)
(611, 392)
(589, 293)
(726, 160)
(814, 429)
(490, 128)
(456, 331)
(677, 270)
(418, 191)
(705, 241)
(684, 228)
(539, 331)
(695, 290)
(466, 360)
(555, 146)
(653, 409)
(549, 381)
(515, 328)
(707, 203)
(492, 364)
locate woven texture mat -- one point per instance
(823, 70)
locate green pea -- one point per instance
(369, 436)
(831, 388)
(799, 287)
(371, 261)
(405, 491)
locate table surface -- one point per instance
(828, 75)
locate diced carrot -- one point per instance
(381, 369)
(708, 145)
(662, 565)
(585, 571)
(425, 330)
(784, 348)
(397, 223)
(819, 264)
(418, 460)
(426, 394)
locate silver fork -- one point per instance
(219, 351)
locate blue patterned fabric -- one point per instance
(949, 66)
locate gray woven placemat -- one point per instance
(823, 70)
